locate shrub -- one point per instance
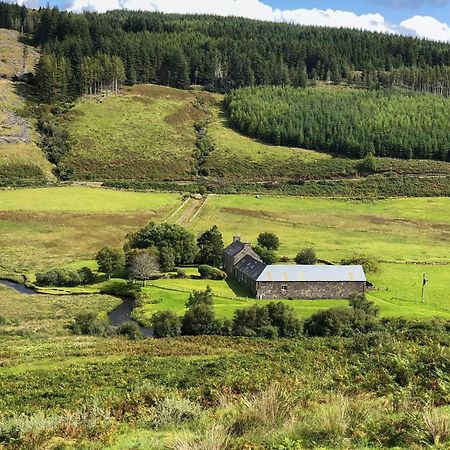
(110, 260)
(166, 259)
(266, 255)
(166, 324)
(123, 290)
(131, 330)
(211, 273)
(359, 302)
(253, 318)
(306, 256)
(175, 410)
(284, 318)
(269, 241)
(181, 273)
(370, 265)
(3, 321)
(269, 321)
(65, 277)
(90, 324)
(339, 322)
(198, 320)
(200, 297)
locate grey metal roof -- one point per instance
(250, 266)
(312, 273)
(234, 248)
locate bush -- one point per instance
(198, 320)
(175, 410)
(269, 321)
(90, 324)
(166, 324)
(359, 302)
(211, 273)
(339, 322)
(269, 241)
(267, 256)
(306, 256)
(370, 265)
(200, 297)
(181, 273)
(131, 330)
(166, 259)
(110, 260)
(65, 277)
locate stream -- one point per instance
(118, 316)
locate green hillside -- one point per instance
(147, 133)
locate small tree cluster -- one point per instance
(175, 244)
(269, 321)
(110, 260)
(359, 318)
(65, 277)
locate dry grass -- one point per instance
(216, 437)
(436, 425)
(12, 55)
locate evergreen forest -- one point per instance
(220, 53)
(353, 122)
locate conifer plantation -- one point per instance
(222, 53)
(352, 122)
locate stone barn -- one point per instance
(279, 281)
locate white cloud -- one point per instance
(420, 26)
(333, 18)
(428, 27)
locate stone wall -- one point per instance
(308, 290)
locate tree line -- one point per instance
(351, 122)
(219, 53)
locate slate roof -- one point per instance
(250, 266)
(234, 248)
(311, 273)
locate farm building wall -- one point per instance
(308, 289)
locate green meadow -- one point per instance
(50, 227)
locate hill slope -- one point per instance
(21, 159)
(148, 132)
(16, 58)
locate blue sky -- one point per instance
(393, 10)
(422, 18)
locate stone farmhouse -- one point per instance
(290, 281)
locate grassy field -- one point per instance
(395, 230)
(47, 227)
(41, 227)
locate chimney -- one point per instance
(236, 238)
